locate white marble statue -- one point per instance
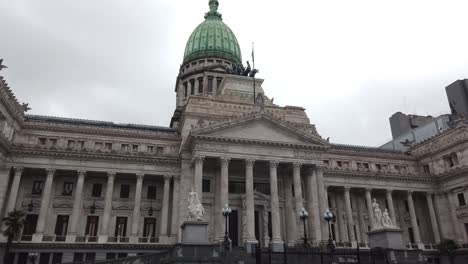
(377, 214)
(195, 208)
(386, 221)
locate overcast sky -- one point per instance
(351, 64)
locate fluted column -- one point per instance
(77, 204)
(4, 178)
(46, 194)
(432, 216)
(414, 220)
(198, 177)
(370, 212)
(175, 209)
(107, 205)
(291, 219)
(136, 208)
(349, 214)
(313, 205)
(298, 198)
(14, 189)
(275, 214)
(223, 193)
(250, 206)
(322, 199)
(391, 207)
(165, 209)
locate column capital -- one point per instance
(389, 190)
(198, 160)
(140, 176)
(111, 174)
(167, 177)
(297, 165)
(347, 188)
(224, 161)
(18, 169)
(368, 190)
(429, 194)
(249, 163)
(409, 193)
(274, 164)
(50, 172)
(81, 173)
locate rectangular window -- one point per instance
(124, 147)
(210, 84)
(98, 145)
(61, 225)
(80, 143)
(37, 187)
(71, 143)
(338, 163)
(150, 149)
(236, 187)
(42, 141)
(200, 86)
(218, 82)
(78, 257)
(461, 199)
(378, 167)
(149, 227)
(134, 148)
(53, 141)
(92, 225)
(67, 189)
(97, 190)
(192, 87)
(151, 192)
(185, 89)
(159, 150)
(108, 146)
(124, 191)
(426, 168)
(206, 185)
(56, 258)
(120, 226)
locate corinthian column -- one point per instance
(198, 177)
(175, 209)
(43, 213)
(432, 216)
(313, 205)
(291, 219)
(322, 195)
(275, 214)
(223, 195)
(414, 221)
(298, 197)
(14, 189)
(165, 209)
(107, 207)
(349, 214)
(370, 212)
(250, 206)
(77, 206)
(136, 208)
(391, 208)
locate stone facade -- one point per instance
(95, 189)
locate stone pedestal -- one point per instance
(195, 232)
(389, 238)
(250, 245)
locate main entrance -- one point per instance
(233, 228)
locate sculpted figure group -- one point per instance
(381, 220)
(195, 208)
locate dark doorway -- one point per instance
(22, 258)
(233, 228)
(29, 226)
(121, 226)
(92, 225)
(257, 228)
(149, 227)
(411, 235)
(61, 226)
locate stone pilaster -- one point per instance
(175, 209)
(432, 217)
(391, 207)
(298, 198)
(77, 206)
(107, 207)
(46, 194)
(14, 189)
(198, 177)
(349, 214)
(370, 212)
(275, 213)
(136, 209)
(414, 220)
(163, 238)
(250, 206)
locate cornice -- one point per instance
(440, 142)
(454, 173)
(380, 175)
(55, 153)
(92, 246)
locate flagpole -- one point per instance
(253, 67)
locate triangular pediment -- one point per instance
(261, 127)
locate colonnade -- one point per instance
(77, 209)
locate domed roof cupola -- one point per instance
(212, 38)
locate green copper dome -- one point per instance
(212, 38)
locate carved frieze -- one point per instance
(300, 154)
(211, 147)
(63, 202)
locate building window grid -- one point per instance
(37, 187)
(67, 189)
(461, 199)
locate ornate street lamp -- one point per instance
(303, 214)
(30, 206)
(328, 216)
(226, 212)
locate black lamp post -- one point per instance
(328, 216)
(226, 212)
(303, 214)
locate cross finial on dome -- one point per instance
(213, 9)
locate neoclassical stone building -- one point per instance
(97, 190)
